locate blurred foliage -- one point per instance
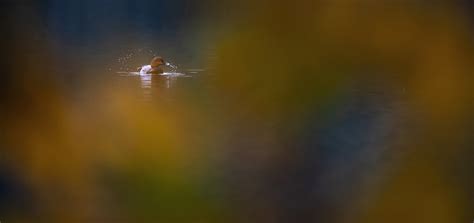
(332, 111)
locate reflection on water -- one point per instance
(156, 86)
(146, 85)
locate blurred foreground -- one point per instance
(309, 111)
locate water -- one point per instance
(150, 87)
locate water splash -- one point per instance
(174, 68)
(133, 58)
